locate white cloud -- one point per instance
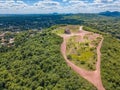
(65, 0)
(49, 6)
(110, 0)
(47, 3)
(97, 1)
(76, 2)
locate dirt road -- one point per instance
(93, 77)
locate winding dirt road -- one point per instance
(93, 77)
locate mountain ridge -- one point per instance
(109, 13)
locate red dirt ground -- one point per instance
(93, 77)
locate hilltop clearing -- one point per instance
(92, 76)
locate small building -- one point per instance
(67, 31)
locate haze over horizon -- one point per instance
(59, 6)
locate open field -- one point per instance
(82, 51)
(60, 30)
(81, 47)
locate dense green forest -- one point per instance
(32, 21)
(110, 65)
(36, 21)
(99, 22)
(35, 63)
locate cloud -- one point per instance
(97, 1)
(10, 4)
(65, 6)
(47, 3)
(65, 0)
(110, 0)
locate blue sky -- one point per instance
(60, 6)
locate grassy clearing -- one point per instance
(82, 53)
(60, 30)
(81, 50)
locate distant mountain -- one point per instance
(108, 13)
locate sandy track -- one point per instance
(92, 76)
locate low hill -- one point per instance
(108, 13)
(36, 63)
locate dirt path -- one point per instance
(92, 76)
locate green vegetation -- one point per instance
(99, 22)
(81, 53)
(110, 65)
(36, 63)
(27, 66)
(27, 22)
(106, 24)
(61, 29)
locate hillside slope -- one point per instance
(37, 64)
(110, 59)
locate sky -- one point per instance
(59, 6)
